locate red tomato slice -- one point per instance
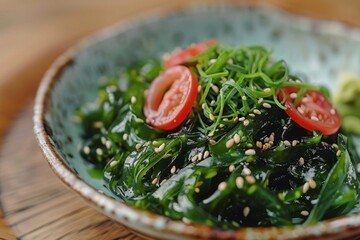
(313, 112)
(183, 55)
(170, 98)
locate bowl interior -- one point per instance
(316, 50)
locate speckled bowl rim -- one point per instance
(151, 224)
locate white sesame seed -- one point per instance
(113, 163)
(222, 186)
(314, 118)
(86, 150)
(306, 187)
(259, 144)
(312, 184)
(231, 168)
(301, 161)
(99, 151)
(250, 152)
(298, 81)
(246, 122)
(236, 138)
(125, 136)
(239, 182)
(272, 137)
(108, 144)
(267, 90)
(252, 115)
(293, 95)
(133, 99)
(211, 134)
(300, 110)
(304, 213)
(186, 220)
(194, 158)
(294, 143)
(199, 88)
(287, 143)
(242, 119)
(334, 145)
(173, 170)
(332, 111)
(246, 171)
(197, 190)
(211, 116)
(163, 181)
(246, 211)
(266, 105)
(215, 88)
(160, 148)
(138, 146)
(358, 167)
(200, 156)
(103, 140)
(236, 119)
(212, 61)
(206, 154)
(212, 103)
(203, 105)
(266, 140)
(244, 98)
(338, 153)
(154, 181)
(212, 141)
(260, 100)
(257, 111)
(250, 179)
(230, 143)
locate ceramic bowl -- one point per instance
(316, 49)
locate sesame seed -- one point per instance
(301, 161)
(133, 99)
(266, 105)
(222, 186)
(236, 138)
(212, 103)
(173, 170)
(246, 171)
(215, 88)
(300, 110)
(163, 181)
(304, 213)
(298, 81)
(267, 90)
(98, 124)
(86, 150)
(334, 145)
(272, 137)
(250, 152)
(266, 140)
(199, 88)
(260, 100)
(314, 118)
(338, 153)
(259, 144)
(212, 61)
(332, 111)
(138, 146)
(239, 182)
(186, 220)
(294, 143)
(246, 122)
(211, 134)
(103, 140)
(293, 95)
(206, 154)
(306, 187)
(252, 115)
(236, 119)
(160, 148)
(230, 143)
(203, 105)
(221, 125)
(211, 116)
(212, 141)
(200, 155)
(287, 143)
(246, 211)
(242, 119)
(99, 151)
(197, 190)
(231, 168)
(125, 136)
(250, 179)
(312, 183)
(154, 181)
(257, 111)
(108, 144)
(194, 158)
(244, 98)
(113, 163)
(358, 167)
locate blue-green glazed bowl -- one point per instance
(319, 50)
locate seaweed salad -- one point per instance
(221, 136)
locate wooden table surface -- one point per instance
(34, 203)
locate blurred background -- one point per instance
(34, 32)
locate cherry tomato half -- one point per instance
(313, 112)
(170, 98)
(183, 55)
